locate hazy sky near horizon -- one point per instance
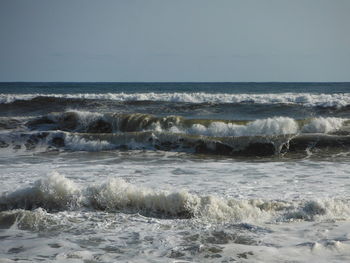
(178, 40)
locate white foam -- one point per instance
(77, 143)
(53, 192)
(57, 192)
(319, 209)
(323, 125)
(307, 99)
(118, 194)
(269, 126)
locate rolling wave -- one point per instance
(57, 193)
(250, 146)
(89, 131)
(92, 122)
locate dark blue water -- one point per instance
(233, 88)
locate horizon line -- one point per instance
(167, 82)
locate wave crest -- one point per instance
(53, 193)
(59, 193)
(269, 126)
(117, 194)
(323, 125)
(307, 99)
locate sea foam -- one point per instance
(269, 126)
(323, 125)
(307, 99)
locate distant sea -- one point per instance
(174, 172)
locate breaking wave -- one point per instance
(307, 99)
(226, 146)
(323, 125)
(91, 122)
(53, 193)
(57, 193)
(34, 220)
(88, 131)
(270, 126)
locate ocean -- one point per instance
(174, 172)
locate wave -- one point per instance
(89, 131)
(57, 193)
(272, 139)
(306, 99)
(34, 220)
(91, 122)
(48, 141)
(54, 193)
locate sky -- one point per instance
(175, 40)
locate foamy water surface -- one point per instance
(202, 172)
(106, 207)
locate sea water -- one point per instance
(174, 172)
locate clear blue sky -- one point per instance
(175, 40)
